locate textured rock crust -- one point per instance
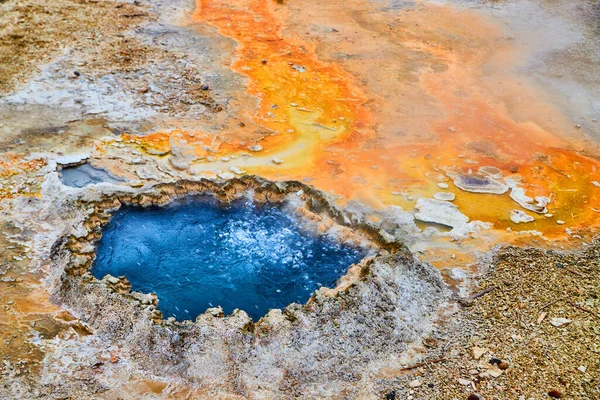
(331, 346)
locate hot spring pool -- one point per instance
(82, 175)
(202, 254)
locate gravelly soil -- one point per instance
(106, 42)
(530, 288)
(33, 31)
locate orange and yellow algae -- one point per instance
(302, 101)
(13, 164)
(381, 126)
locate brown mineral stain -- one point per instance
(27, 312)
(156, 386)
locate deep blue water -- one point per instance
(201, 254)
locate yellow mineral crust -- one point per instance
(382, 124)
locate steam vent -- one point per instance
(277, 199)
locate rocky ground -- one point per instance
(86, 79)
(529, 330)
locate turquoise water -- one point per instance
(201, 254)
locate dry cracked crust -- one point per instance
(327, 347)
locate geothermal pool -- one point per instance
(202, 254)
(83, 175)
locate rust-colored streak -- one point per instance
(375, 106)
(302, 100)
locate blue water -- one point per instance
(201, 254)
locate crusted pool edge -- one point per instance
(381, 306)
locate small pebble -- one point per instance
(444, 196)
(237, 170)
(559, 321)
(503, 365)
(255, 148)
(414, 384)
(299, 68)
(465, 301)
(555, 394)
(475, 396)
(477, 352)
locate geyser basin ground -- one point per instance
(201, 253)
(334, 342)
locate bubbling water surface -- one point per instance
(202, 254)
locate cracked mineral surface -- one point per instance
(455, 141)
